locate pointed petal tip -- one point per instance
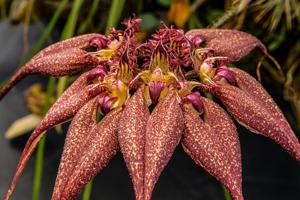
(99, 148)
(163, 133)
(79, 128)
(75, 42)
(17, 77)
(58, 113)
(131, 136)
(207, 150)
(259, 117)
(236, 194)
(28, 150)
(227, 42)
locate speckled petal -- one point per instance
(65, 62)
(231, 43)
(208, 144)
(164, 130)
(68, 104)
(100, 146)
(131, 135)
(227, 133)
(63, 109)
(254, 89)
(258, 118)
(76, 138)
(80, 41)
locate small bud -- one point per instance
(210, 65)
(224, 72)
(197, 41)
(99, 42)
(155, 90)
(105, 102)
(98, 71)
(195, 99)
(200, 55)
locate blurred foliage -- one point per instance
(22, 126)
(36, 99)
(275, 22)
(272, 13)
(179, 12)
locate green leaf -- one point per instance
(164, 2)
(3, 8)
(72, 20)
(115, 12)
(83, 27)
(38, 169)
(48, 29)
(149, 21)
(87, 191)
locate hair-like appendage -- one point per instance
(176, 68)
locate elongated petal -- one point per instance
(80, 41)
(63, 109)
(164, 130)
(75, 42)
(258, 118)
(255, 90)
(57, 64)
(63, 63)
(226, 131)
(68, 104)
(131, 135)
(76, 138)
(209, 144)
(225, 42)
(100, 146)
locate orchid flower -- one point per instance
(151, 103)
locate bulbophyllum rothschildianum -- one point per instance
(150, 96)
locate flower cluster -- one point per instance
(151, 95)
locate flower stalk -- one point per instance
(41, 146)
(38, 169)
(87, 192)
(226, 194)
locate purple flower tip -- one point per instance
(105, 102)
(98, 71)
(99, 42)
(155, 90)
(225, 72)
(197, 41)
(195, 99)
